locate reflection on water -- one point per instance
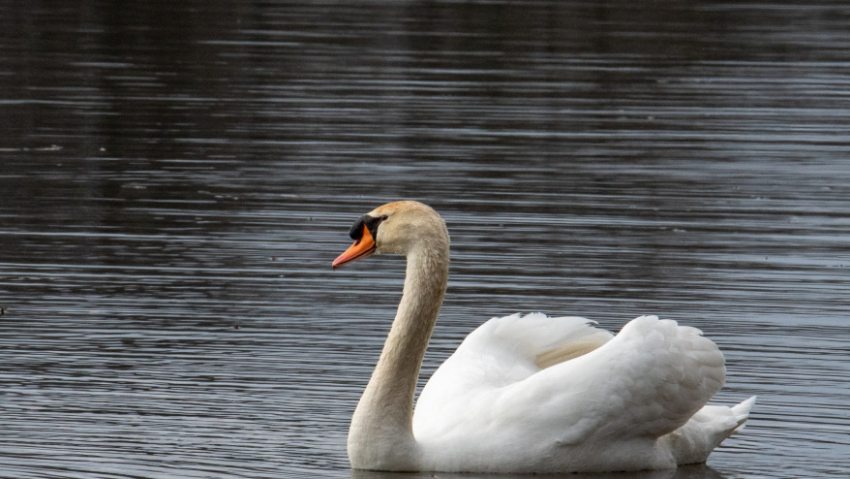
(175, 180)
(687, 472)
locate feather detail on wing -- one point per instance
(645, 382)
(462, 396)
(662, 373)
(507, 350)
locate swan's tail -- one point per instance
(693, 442)
(742, 413)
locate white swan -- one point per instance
(528, 394)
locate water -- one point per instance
(176, 177)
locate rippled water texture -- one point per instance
(176, 177)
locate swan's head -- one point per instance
(402, 227)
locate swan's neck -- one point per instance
(381, 434)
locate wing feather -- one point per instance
(645, 382)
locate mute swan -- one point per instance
(527, 394)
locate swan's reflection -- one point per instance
(700, 471)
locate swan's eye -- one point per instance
(367, 221)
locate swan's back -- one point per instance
(519, 395)
(507, 350)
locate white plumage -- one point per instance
(528, 393)
(490, 407)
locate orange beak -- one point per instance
(361, 248)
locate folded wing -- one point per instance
(550, 384)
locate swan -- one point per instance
(527, 394)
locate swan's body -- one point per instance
(528, 394)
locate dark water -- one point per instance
(176, 177)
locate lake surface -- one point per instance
(176, 178)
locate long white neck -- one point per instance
(381, 434)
